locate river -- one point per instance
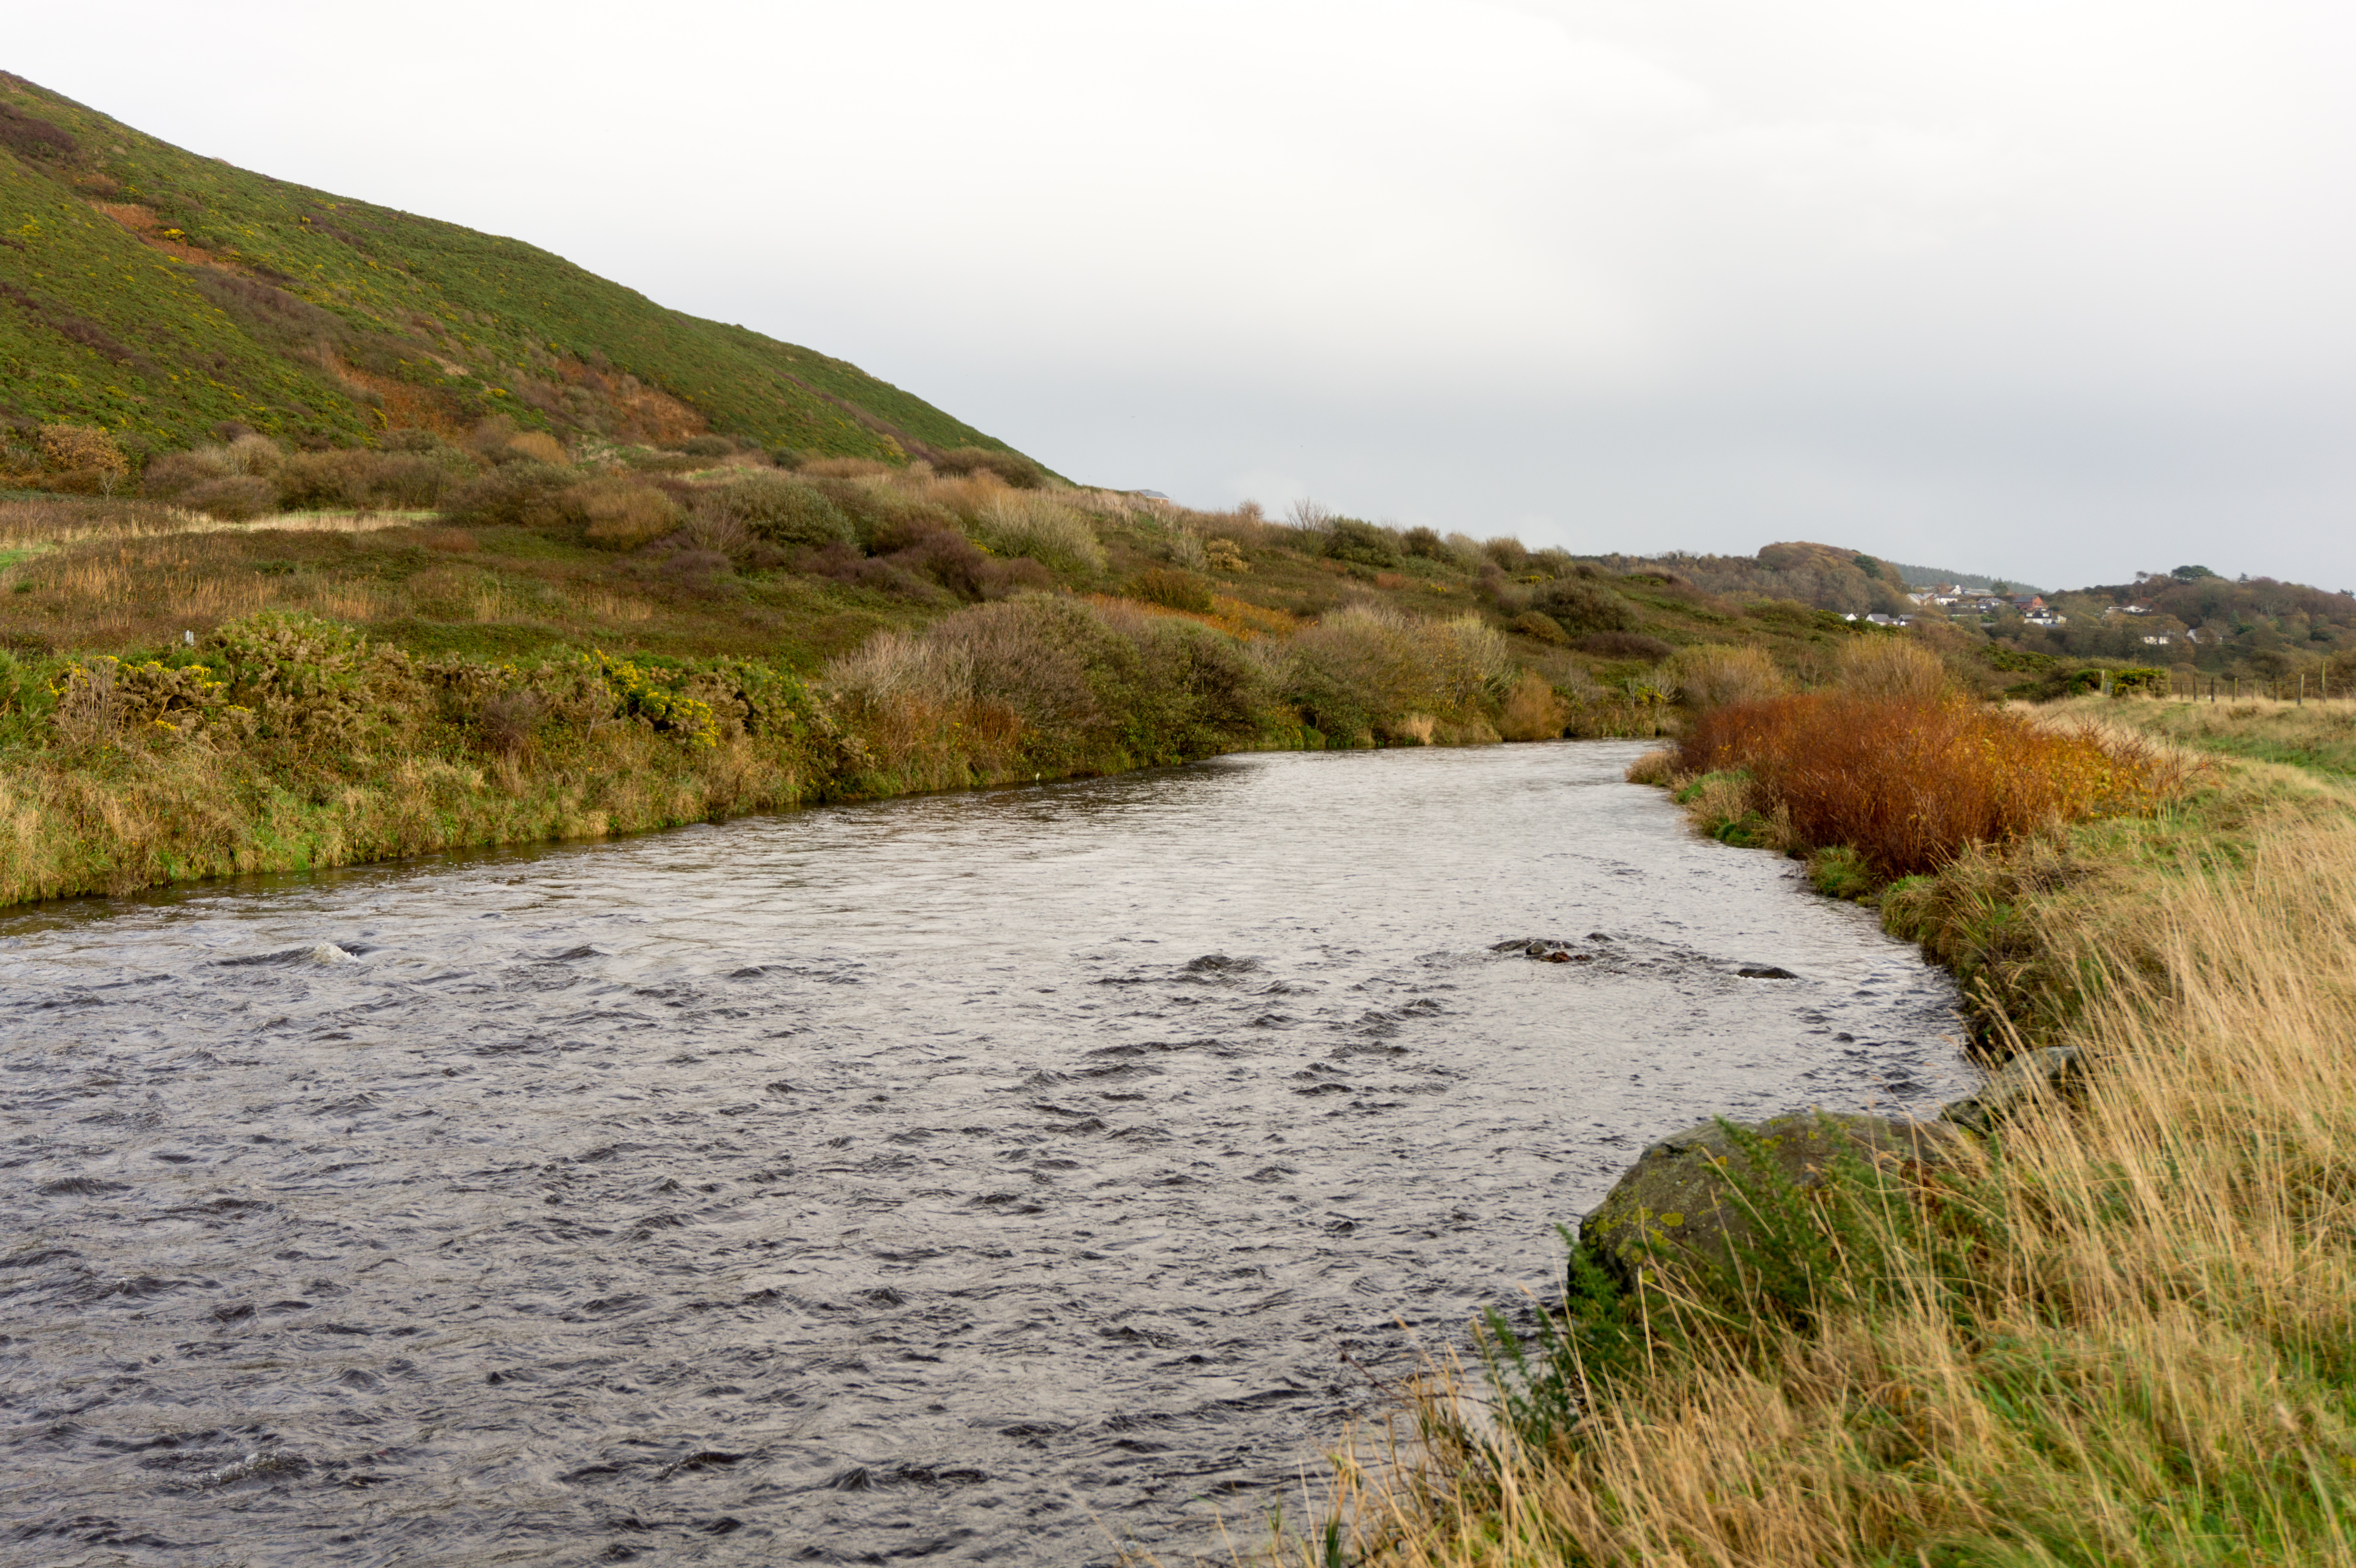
(998, 1177)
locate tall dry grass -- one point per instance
(2123, 1332)
(1717, 675)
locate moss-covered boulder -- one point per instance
(1708, 1202)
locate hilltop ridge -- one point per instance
(159, 293)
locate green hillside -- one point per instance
(159, 293)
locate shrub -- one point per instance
(1032, 523)
(82, 449)
(780, 509)
(882, 517)
(234, 498)
(1715, 675)
(254, 454)
(1172, 589)
(1909, 783)
(522, 493)
(303, 679)
(508, 718)
(1397, 669)
(1225, 555)
(1347, 539)
(530, 447)
(175, 473)
(1011, 467)
(1533, 711)
(358, 477)
(1509, 554)
(620, 514)
(1892, 668)
(1579, 606)
(708, 446)
(1546, 628)
(1424, 543)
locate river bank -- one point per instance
(2113, 1331)
(283, 742)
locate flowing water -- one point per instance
(997, 1177)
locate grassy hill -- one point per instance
(157, 295)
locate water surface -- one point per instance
(987, 1178)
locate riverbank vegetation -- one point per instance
(507, 632)
(2117, 1329)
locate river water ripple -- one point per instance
(992, 1177)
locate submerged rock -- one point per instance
(1765, 972)
(1686, 1202)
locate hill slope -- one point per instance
(159, 293)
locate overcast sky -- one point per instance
(2057, 290)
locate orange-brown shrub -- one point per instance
(1533, 711)
(1909, 783)
(538, 446)
(83, 448)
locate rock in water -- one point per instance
(1683, 1204)
(2032, 1076)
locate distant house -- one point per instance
(2045, 618)
(2161, 639)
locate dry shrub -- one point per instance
(1716, 676)
(910, 699)
(1172, 590)
(1659, 767)
(252, 453)
(448, 541)
(1397, 668)
(713, 531)
(76, 448)
(620, 514)
(1225, 555)
(1893, 669)
(356, 477)
(235, 498)
(1533, 711)
(507, 720)
(1036, 524)
(89, 708)
(521, 493)
(175, 473)
(1909, 783)
(535, 446)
